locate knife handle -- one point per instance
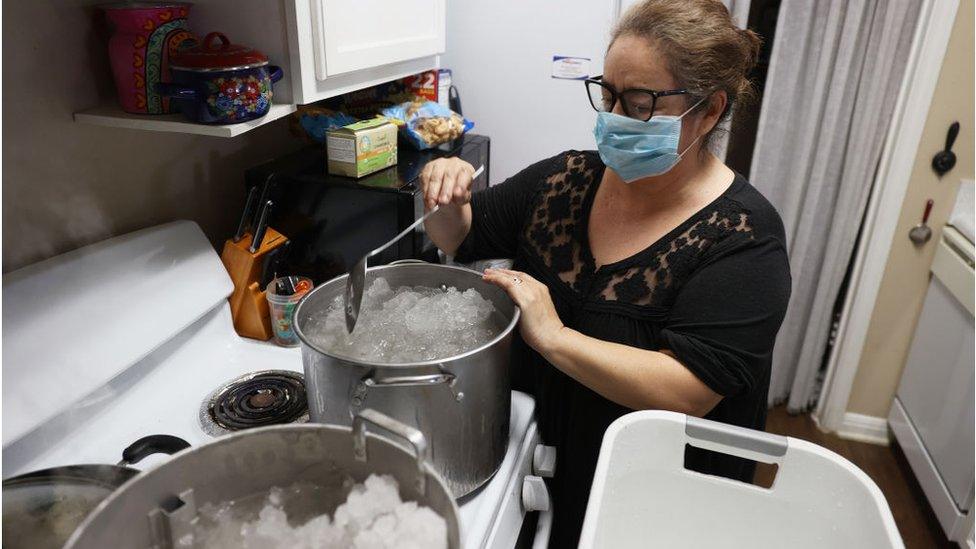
(249, 206)
(266, 188)
(261, 227)
(273, 262)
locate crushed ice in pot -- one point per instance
(373, 516)
(407, 324)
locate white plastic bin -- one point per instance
(643, 496)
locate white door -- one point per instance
(351, 35)
(936, 387)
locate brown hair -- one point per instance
(705, 51)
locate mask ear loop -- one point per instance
(691, 108)
(692, 144)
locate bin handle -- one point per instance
(732, 437)
(402, 430)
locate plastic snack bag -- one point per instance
(426, 124)
(316, 121)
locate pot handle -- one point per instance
(402, 430)
(168, 89)
(275, 73)
(409, 381)
(152, 444)
(210, 41)
(408, 262)
(406, 381)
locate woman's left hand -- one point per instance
(540, 324)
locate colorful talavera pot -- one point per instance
(221, 83)
(145, 37)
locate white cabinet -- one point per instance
(337, 46)
(352, 35)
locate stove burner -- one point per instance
(258, 399)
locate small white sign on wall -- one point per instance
(570, 68)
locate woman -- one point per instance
(650, 275)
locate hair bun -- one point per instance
(752, 45)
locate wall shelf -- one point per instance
(114, 116)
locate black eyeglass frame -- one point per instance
(615, 96)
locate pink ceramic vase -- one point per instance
(144, 35)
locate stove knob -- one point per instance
(535, 495)
(544, 461)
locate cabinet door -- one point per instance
(351, 35)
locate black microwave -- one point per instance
(332, 221)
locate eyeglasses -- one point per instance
(637, 103)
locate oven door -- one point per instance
(932, 416)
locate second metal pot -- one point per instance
(42, 508)
(461, 403)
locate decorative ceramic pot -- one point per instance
(145, 37)
(221, 83)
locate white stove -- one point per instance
(133, 336)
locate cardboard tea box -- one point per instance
(362, 148)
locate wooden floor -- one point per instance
(885, 465)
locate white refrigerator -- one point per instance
(501, 55)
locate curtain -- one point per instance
(739, 9)
(835, 73)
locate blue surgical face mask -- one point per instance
(636, 149)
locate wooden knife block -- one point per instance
(248, 304)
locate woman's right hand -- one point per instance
(446, 181)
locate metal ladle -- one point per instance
(921, 233)
(356, 281)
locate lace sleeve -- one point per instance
(498, 214)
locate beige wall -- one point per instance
(67, 184)
(906, 274)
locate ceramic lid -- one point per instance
(216, 53)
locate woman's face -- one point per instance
(633, 62)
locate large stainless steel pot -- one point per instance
(156, 508)
(461, 403)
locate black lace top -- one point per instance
(713, 291)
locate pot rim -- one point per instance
(400, 365)
(84, 472)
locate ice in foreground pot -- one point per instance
(158, 507)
